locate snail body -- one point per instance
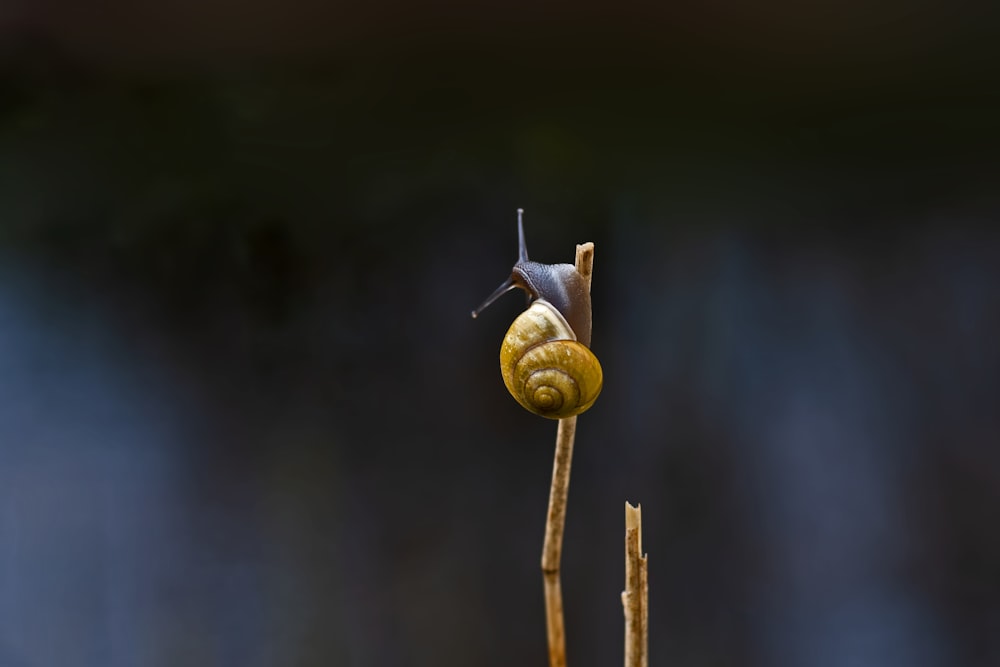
(545, 359)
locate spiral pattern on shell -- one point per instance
(545, 369)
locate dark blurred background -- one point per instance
(245, 418)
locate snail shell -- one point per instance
(545, 368)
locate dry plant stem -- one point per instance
(635, 597)
(556, 520)
(552, 549)
(585, 262)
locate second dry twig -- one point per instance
(635, 597)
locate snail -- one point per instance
(545, 358)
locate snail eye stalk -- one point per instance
(522, 247)
(510, 283)
(507, 286)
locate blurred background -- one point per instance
(245, 418)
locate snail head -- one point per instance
(559, 284)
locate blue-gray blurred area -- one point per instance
(246, 419)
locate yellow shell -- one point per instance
(545, 368)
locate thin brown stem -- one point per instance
(552, 549)
(556, 518)
(585, 262)
(635, 597)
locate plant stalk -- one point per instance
(556, 518)
(635, 597)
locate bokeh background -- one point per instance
(245, 418)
